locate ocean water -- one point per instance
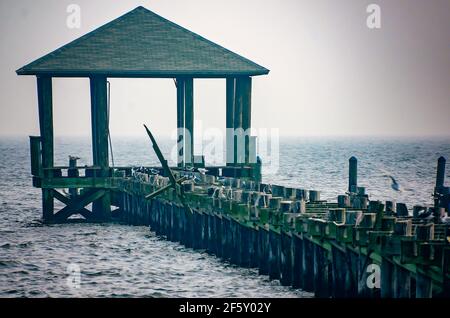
(130, 261)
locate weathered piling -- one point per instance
(440, 174)
(352, 174)
(274, 254)
(321, 271)
(286, 259)
(308, 265)
(297, 262)
(263, 251)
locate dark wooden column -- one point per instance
(230, 92)
(180, 121)
(189, 120)
(237, 121)
(101, 208)
(44, 88)
(246, 91)
(242, 115)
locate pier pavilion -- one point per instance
(139, 44)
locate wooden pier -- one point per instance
(351, 247)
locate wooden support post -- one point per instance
(440, 174)
(236, 255)
(230, 92)
(401, 282)
(297, 278)
(352, 174)
(253, 237)
(73, 172)
(218, 240)
(321, 283)
(189, 121)
(225, 238)
(339, 269)
(274, 254)
(386, 278)
(286, 261)
(308, 265)
(237, 122)
(263, 251)
(45, 103)
(100, 130)
(36, 155)
(246, 92)
(440, 179)
(244, 241)
(352, 275)
(423, 286)
(180, 120)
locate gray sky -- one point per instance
(330, 74)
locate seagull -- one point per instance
(73, 157)
(445, 219)
(394, 185)
(202, 170)
(154, 171)
(426, 213)
(267, 188)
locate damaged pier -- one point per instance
(353, 247)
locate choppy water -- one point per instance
(119, 260)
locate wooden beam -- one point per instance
(246, 92)
(36, 155)
(189, 120)
(230, 101)
(67, 201)
(242, 116)
(237, 119)
(78, 203)
(45, 104)
(180, 121)
(99, 119)
(83, 182)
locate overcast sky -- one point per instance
(330, 74)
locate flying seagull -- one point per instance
(394, 185)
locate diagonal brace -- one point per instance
(78, 203)
(66, 200)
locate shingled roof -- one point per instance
(141, 43)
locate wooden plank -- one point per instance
(60, 183)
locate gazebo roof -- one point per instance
(141, 43)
